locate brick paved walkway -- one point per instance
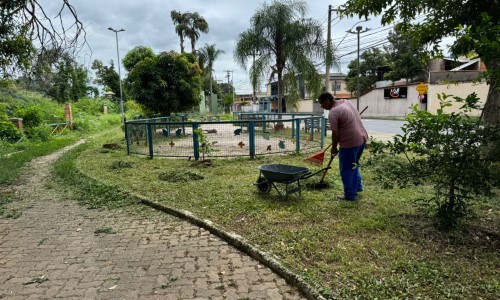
(58, 249)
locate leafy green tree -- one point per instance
(226, 88)
(106, 76)
(286, 42)
(210, 53)
(227, 100)
(70, 81)
(474, 23)
(188, 25)
(136, 55)
(40, 76)
(16, 49)
(23, 22)
(369, 61)
(210, 87)
(166, 83)
(443, 150)
(406, 58)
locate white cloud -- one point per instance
(148, 23)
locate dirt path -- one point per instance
(56, 248)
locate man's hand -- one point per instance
(334, 151)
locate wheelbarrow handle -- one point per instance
(311, 174)
(324, 170)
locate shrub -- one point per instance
(3, 112)
(9, 132)
(133, 108)
(39, 133)
(32, 117)
(444, 150)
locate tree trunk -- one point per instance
(491, 111)
(182, 43)
(280, 92)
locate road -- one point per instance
(383, 129)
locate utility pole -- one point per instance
(230, 76)
(358, 31)
(328, 49)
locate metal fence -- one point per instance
(264, 136)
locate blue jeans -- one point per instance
(349, 171)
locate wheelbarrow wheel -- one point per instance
(263, 185)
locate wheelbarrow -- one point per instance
(287, 175)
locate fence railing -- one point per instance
(155, 137)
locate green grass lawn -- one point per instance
(11, 163)
(381, 246)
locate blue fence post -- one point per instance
(183, 120)
(323, 131)
(127, 138)
(149, 130)
(297, 136)
(293, 126)
(251, 138)
(196, 144)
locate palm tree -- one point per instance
(210, 54)
(181, 22)
(285, 41)
(196, 25)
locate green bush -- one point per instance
(3, 112)
(94, 107)
(84, 123)
(32, 117)
(445, 151)
(38, 133)
(133, 108)
(9, 132)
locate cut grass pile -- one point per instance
(378, 247)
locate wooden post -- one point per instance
(68, 115)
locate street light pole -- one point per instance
(358, 31)
(119, 71)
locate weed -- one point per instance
(105, 230)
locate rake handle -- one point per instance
(327, 167)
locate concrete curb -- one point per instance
(240, 243)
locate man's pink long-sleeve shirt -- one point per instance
(346, 122)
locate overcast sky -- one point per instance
(148, 23)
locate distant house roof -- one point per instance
(467, 64)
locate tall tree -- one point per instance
(166, 83)
(188, 25)
(70, 81)
(286, 42)
(406, 58)
(181, 22)
(197, 24)
(369, 60)
(136, 55)
(106, 76)
(210, 53)
(22, 22)
(474, 23)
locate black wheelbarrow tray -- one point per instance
(288, 175)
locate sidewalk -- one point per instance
(59, 249)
